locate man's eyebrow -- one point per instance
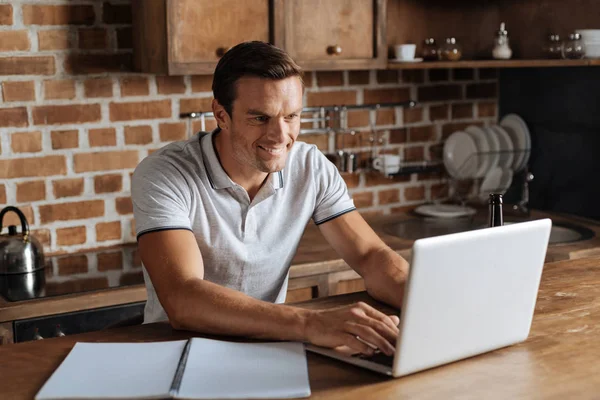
(258, 112)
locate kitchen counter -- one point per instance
(559, 359)
(314, 257)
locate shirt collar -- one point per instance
(216, 174)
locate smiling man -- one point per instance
(219, 218)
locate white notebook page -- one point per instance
(228, 370)
(115, 370)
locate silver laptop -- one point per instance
(467, 293)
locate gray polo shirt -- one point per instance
(246, 245)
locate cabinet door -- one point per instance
(332, 34)
(200, 31)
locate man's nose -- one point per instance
(278, 130)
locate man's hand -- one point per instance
(352, 326)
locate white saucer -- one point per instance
(414, 60)
(445, 210)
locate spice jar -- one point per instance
(429, 51)
(450, 51)
(553, 47)
(502, 50)
(573, 48)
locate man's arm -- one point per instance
(383, 270)
(174, 264)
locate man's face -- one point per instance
(265, 122)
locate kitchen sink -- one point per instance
(418, 228)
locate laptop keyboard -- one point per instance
(378, 358)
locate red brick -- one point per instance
(134, 86)
(414, 193)
(202, 83)
(13, 117)
(172, 131)
(58, 15)
(170, 84)
(321, 141)
(335, 98)
(413, 76)
(108, 183)
(363, 200)
(25, 65)
(439, 191)
(486, 109)
(195, 105)
(116, 13)
(460, 111)
(67, 187)
(68, 139)
(108, 231)
(439, 112)
(66, 114)
(76, 285)
(358, 77)
(389, 196)
(55, 39)
(413, 115)
(422, 133)
(18, 91)
(307, 79)
(138, 134)
(102, 137)
(352, 180)
(70, 236)
(59, 89)
(43, 236)
(124, 205)
(70, 265)
(440, 93)
(31, 191)
(105, 161)
(376, 178)
(482, 90)
(387, 76)
(358, 118)
(374, 96)
(35, 166)
(348, 140)
(414, 153)
(110, 261)
(398, 136)
(13, 219)
(71, 211)
(2, 194)
(438, 75)
(98, 63)
(403, 209)
(26, 142)
(330, 78)
(124, 38)
(14, 41)
(98, 87)
(6, 14)
(140, 110)
(449, 129)
(93, 38)
(386, 116)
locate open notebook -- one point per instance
(185, 369)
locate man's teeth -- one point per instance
(273, 150)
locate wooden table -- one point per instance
(560, 360)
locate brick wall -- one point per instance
(75, 120)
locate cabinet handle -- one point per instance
(222, 50)
(334, 50)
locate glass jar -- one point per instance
(573, 48)
(553, 47)
(450, 51)
(429, 51)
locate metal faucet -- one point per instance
(522, 205)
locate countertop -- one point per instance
(559, 360)
(313, 257)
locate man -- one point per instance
(219, 218)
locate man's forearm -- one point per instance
(385, 273)
(206, 307)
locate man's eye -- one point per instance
(261, 118)
(292, 116)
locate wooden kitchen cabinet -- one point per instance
(332, 34)
(186, 37)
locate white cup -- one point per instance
(405, 52)
(387, 163)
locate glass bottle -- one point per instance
(502, 50)
(553, 47)
(429, 51)
(573, 48)
(450, 51)
(495, 210)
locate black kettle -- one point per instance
(19, 252)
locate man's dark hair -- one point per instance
(254, 58)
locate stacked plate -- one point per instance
(591, 40)
(493, 153)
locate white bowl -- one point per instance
(589, 35)
(592, 50)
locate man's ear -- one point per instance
(222, 117)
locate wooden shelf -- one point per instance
(494, 64)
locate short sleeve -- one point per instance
(160, 196)
(333, 199)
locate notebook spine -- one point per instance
(176, 383)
